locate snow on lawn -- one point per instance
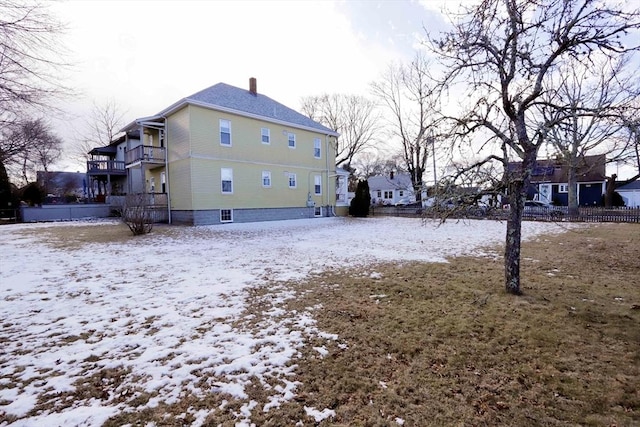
(163, 311)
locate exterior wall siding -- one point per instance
(178, 146)
(248, 157)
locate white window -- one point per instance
(225, 132)
(379, 193)
(317, 184)
(388, 194)
(563, 188)
(317, 211)
(226, 177)
(266, 178)
(292, 140)
(266, 135)
(316, 148)
(400, 193)
(226, 215)
(292, 180)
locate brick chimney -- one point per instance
(253, 86)
(391, 174)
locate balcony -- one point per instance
(146, 154)
(106, 167)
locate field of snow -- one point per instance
(167, 307)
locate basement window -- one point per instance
(226, 215)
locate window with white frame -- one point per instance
(225, 132)
(292, 140)
(563, 188)
(379, 193)
(226, 215)
(266, 135)
(226, 177)
(316, 147)
(266, 178)
(388, 194)
(317, 184)
(292, 180)
(400, 193)
(317, 211)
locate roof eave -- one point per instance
(184, 102)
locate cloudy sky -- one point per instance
(145, 55)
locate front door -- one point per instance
(544, 193)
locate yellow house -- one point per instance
(226, 154)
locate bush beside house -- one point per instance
(359, 206)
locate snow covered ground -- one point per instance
(167, 307)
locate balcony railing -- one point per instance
(106, 167)
(146, 154)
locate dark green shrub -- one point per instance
(33, 194)
(359, 206)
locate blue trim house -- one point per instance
(550, 184)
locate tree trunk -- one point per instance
(572, 185)
(514, 236)
(610, 189)
(518, 184)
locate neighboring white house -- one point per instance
(630, 193)
(342, 192)
(389, 190)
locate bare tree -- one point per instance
(30, 68)
(408, 92)
(30, 58)
(354, 117)
(370, 164)
(630, 153)
(585, 110)
(33, 147)
(99, 129)
(500, 53)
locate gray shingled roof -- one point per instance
(634, 185)
(233, 98)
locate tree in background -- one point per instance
(361, 202)
(354, 117)
(30, 59)
(100, 129)
(369, 164)
(408, 92)
(500, 54)
(30, 69)
(31, 146)
(8, 197)
(585, 109)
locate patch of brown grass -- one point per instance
(78, 236)
(446, 345)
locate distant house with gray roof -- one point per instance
(391, 189)
(630, 194)
(225, 154)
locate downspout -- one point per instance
(166, 167)
(326, 156)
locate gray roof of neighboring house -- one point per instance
(399, 182)
(588, 169)
(241, 101)
(634, 185)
